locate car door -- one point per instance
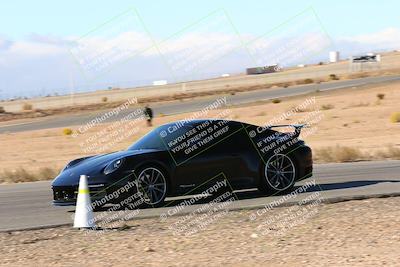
(206, 160)
(237, 153)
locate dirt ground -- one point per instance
(365, 234)
(347, 118)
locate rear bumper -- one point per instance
(303, 157)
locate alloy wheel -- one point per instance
(280, 172)
(152, 184)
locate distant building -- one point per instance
(367, 62)
(160, 82)
(369, 57)
(333, 56)
(262, 70)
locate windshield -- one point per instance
(151, 140)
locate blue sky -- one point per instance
(50, 28)
(342, 17)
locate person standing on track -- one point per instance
(148, 112)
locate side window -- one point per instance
(155, 141)
(216, 131)
(149, 141)
(174, 136)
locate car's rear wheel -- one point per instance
(278, 175)
(152, 183)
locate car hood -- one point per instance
(92, 166)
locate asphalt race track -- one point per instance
(196, 104)
(28, 205)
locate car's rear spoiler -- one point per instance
(297, 127)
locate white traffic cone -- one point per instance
(83, 211)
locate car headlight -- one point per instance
(113, 166)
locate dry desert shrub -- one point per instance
(327, 106)
(380, 96)
(2, 110)
(308, 81)
(339, 154)
(395, 117)
(67, 131)
(333, 77)
(276, 101)
(305, 81)
(104, 99)
(27, 106)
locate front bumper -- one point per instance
(67, 195)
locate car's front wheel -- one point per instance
(278, 175)
(152, 183)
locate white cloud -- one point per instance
(35, 49)
(4, 44)
(51, 39)
(388, 38)
(39, 54)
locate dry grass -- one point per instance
(302, 110)
(339, 154)
(348, 154)
(358, 105)
(391, 152)
(22, 175)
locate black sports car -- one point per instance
(186, 157)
